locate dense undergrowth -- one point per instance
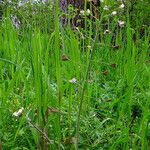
(63, 87)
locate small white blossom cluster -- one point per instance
(73, 80)
(19, 112)
(106, 7)
(87, 12)
(121, 6)
(115, 13)
(121, 23)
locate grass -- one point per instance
(107, 107)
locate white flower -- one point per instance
(114, 13)
(82, 12)
(88, 11)
(107, 32)
(19, 112)
(121, 23)
(106, 7)
(121, 6)
(73, 80)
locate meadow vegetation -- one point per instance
(66, 87)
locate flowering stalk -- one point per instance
(82, 95)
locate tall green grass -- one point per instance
(106, 108)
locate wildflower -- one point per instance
(88, 12)
(121, 23)
(107, 31)
(121, 6)
(106, 7)
(19, 112)
(114, 13)
(82, 12)
(73, 80)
